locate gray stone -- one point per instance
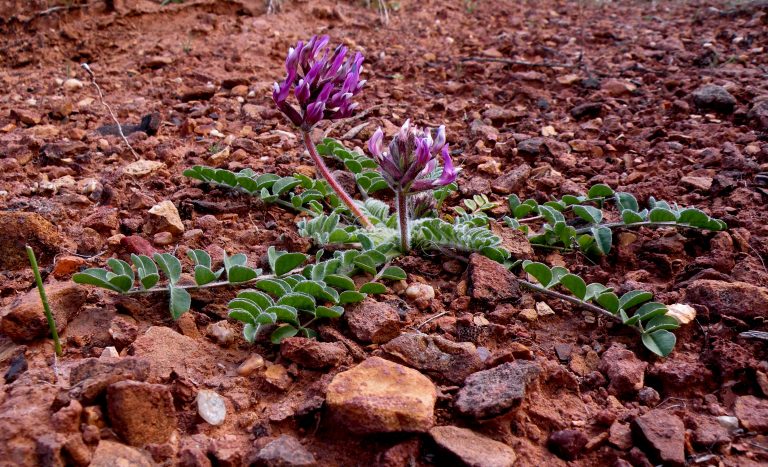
(493, 392)
(285, 451)
(714, 97)
(435, 356)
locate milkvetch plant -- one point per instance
(408, 166)
(366, 236)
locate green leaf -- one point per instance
(317, 290)
(239, 274)
(350, 296)
(575, 285)
(203, 275)
(539, 271)
(149, 281)
(146, 269)
(297, 300)
(121, 268)
(275, 287)
(242, 315)
(179, 301)
(250, 332)
(694, 217)
(660, 342)
(340, 281)
(285, 184)
(609, 301)
(629, 216)
(97, 277)
(603, 239)
(633, 298)
(589, 213)
(651, 310)
(200, 258)
(661, 215)
(124, 283)
(626, 201)
(373, 288)
(394, 273)
(170, 265)
(366, 263)
(662, 322)
(329, 312)
(716, 225)
(283, 332)
(262, 300)
(600, 191)
(285, 313)
(287, 262)
(594, 290)
(551, 215)
(246, 305)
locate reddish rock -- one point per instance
(104, 220)
(111, 454)
(435, 356)
(141, 413)
(625, 371)
(708, 433)
(372, 321)
(379, 396)
(91, 377)
(310, 353)
(663, 435)
(682, 374)
(758, 115)
(26, 117)
(138, 245)
(493, 392)
(473, 449)
(171, 352)
(620, 436)
(24, 319)
(752, 413)
(567, 444)
(737, 299)
(26, 228)
(491, 282)
(123, 329)
(512, 180)
(67, 265)
(67, 419)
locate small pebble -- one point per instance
(419, 291)
(251, 364)
(72, 84)
(211, 407)
(109, 352)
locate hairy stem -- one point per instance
(44, 299)
(343, 195)
(402, 221)
(574, 300)
(210, 285)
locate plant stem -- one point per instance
(210, 285)
(326, 173)
(402, 220)
(44, 299)
(574, 300)
(635, 224)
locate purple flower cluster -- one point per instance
(323, 83)
(411, 158)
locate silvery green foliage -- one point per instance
(634, 308)
(468, 234)
(577, 222)
(363, 167)
(284, 298)
(298, 191)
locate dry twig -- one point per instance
(111, 113)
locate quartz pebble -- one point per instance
(211, 407)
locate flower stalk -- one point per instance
(410, 165)
(328, 176)
(402, 221)
(44, 300)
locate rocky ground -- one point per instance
(664, 99)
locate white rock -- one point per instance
(167, 217)
(542, 309)
(72, 84)
(418, 291)
(681, 312)
(109, 352)
(142, 167)
(211, 407)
